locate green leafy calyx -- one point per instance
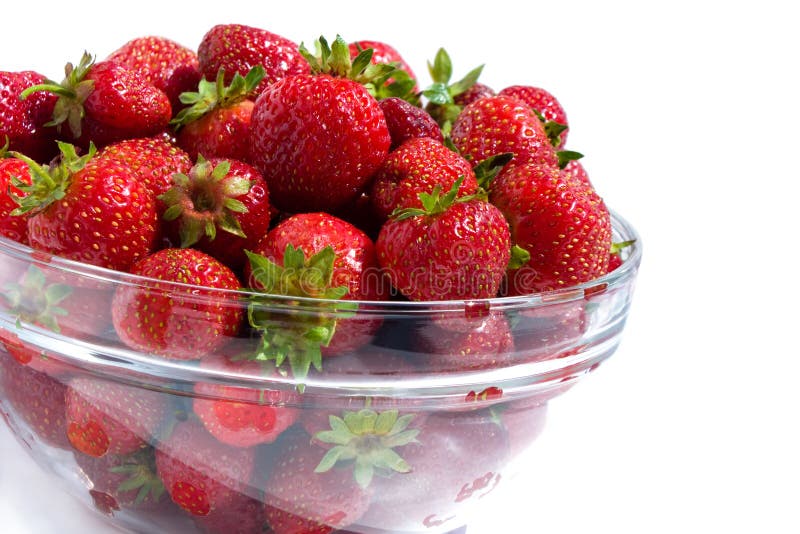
(35, 301)
(206, 200)
(366, 440)
(441, 93)
(435, 203)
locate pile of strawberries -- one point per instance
(254, 163)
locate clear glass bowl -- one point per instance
(418, 411)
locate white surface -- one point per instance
(687, 113)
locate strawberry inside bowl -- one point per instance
(192, 425)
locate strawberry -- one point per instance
(549, 109)
(105, 417)
(405, 121)
(124, 482)
(452, 344)
(381, 53)
(37, 398)
(450, 249)
(342, 265)
(499, 124)
(566, 230)
(417, 166)
(24, 122)
(301, 495)
(237, 48)
(244, 515)
(153, 160)
(244, 417)
(442, 94)
(403, 83)
(615, 259)
(217, 121)
(105, 102)
(221, 207)
(178, 321)
(317, 138)
(89, 209)
(475, 92)
(456, 459)
(169, 66)
(14, 228)
(203, 476)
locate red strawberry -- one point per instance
(476, 92)
(124, 482)
(405, 121)
(244, 417)
(498, 124)
(105, 102)
(576, 172)
(237, 48)
(615, 259)
(11, 170)
(402, 83)
(178, 321)
(548, 331)
(244, 515)
(381, 53)
(36, 398)
(457, 459)
(316, 138)
(90, 210)
(566, 230)
(106, 417)
(167, 65)
(300, 497)
(220, 207)
(545, 104)
(418, 166)
(452, 344)
(153, 160)
(450, 249)
(442, 94)
(23, 122)
(342, 265)
(217, 123)
(203, 476)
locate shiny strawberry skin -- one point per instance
(122, 105)
(566, 230)
(542, 101)
(317, 140)
(382, 53)
(477, 91)
(23, 121)
(498, 124)
(459, 254)
(13, 227)
(106, 218)
(239, 48)
(418, 166)
(173, 323)
(405, 121)
(224, 133)
(168, 65)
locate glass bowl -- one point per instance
(417, 410)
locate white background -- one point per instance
(688, 115)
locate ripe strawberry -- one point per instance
(23, 123)
(90, 210)
(550, 110)
(499, 124)
(124, 482)
(317, 138)
(152, 159)
(217, 122)
(342, 265)
(615, 259)
(12, 227)
(105, 417)
(244, 417)
(576, 172)
(238, 48)
(453, 344)
(566, 230)
(475, 92)
(178, 321)
(167, 65)
(220, 207)
(442, 94)
(105, 102)
(457, 459)
(417, 166)
(244, 515)
(450, 249)
(381, 53)
(203, 476)
(36, 398)
(300, 497)
(405, 121)
(548, 332)
(402, 83)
